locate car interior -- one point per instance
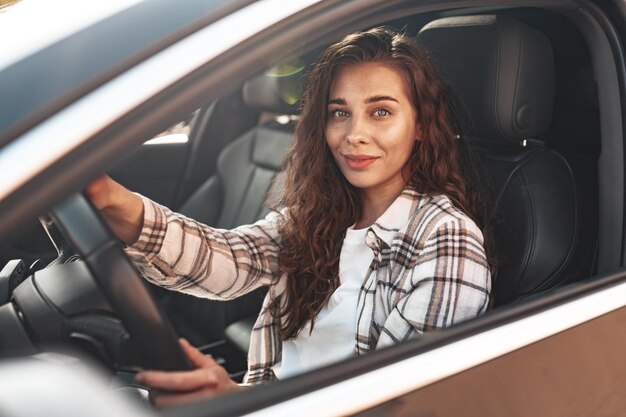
(526, 80)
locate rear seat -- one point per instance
(246, 170)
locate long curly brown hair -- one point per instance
(322, 204)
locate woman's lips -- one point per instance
(359, 161)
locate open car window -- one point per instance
(565, 303)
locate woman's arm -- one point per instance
(450, 282)
(181, 254)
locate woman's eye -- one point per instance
(382, 112)
(339, 113)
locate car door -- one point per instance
(579, 371)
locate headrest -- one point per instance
(278, 89)
(502, 69)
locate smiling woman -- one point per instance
(376, 242)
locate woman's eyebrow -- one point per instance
(375, 99)
(372, 99)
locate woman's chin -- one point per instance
(360, 182)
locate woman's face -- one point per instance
(371, 126)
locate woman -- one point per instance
(377, 241)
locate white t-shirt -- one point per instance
(333, 335)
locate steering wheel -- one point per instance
(88, 235)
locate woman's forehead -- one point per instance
(362, 80)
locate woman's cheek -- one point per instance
(331, 136)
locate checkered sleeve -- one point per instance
(181, 254)
(447, 281)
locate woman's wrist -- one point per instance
(122, 209)
(125, 215)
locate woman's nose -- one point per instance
(357, 132)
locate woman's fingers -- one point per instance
(180, 381)
(98, 191)
(197, 358)
(169, 388)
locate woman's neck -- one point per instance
(374, 204)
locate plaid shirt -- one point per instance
(429, 271)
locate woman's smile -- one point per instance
(359, 162)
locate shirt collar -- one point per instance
(397, 215)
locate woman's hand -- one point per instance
(122, 209)
(169, 388)
(100, 191)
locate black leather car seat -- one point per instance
(246, 173)
(504, 72)
(237, 194)
(212, 130)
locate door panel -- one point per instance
(579, 372)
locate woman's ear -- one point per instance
(419, 132)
